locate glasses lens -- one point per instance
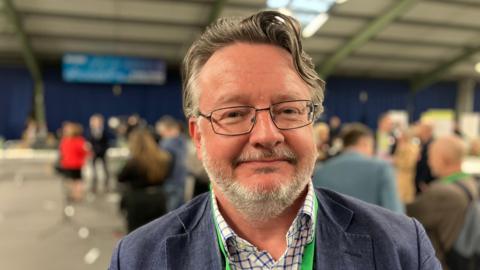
(234, 120)
(292, 114)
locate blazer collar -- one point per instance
(197, 247)
(335, 247)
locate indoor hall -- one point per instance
(104, 78)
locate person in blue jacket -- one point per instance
(250, 94)
(356, 173)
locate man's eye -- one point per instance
(234, 114)
(289, 111)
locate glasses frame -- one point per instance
(312, 106)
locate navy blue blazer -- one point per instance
(351, 234)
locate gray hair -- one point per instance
(265, 27)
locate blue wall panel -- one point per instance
(16, 91)
(343, 99)
(77, 101)
(438, 96)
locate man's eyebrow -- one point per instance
(229, 99)
(288, 97)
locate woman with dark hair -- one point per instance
(143, 174)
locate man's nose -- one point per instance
(264, 133)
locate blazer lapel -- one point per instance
(335, 247)
(196, 248)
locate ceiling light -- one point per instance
(477, 67)
(339, 2)
(314, 25)
(305, 11)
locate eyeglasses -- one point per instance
(239, 120)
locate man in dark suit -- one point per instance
(98, 139)
(251, 95)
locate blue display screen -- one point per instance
(77, 67)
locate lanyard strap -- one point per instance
(455, 177)
(308, 251)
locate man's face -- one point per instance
(263, 172)
(96, 122)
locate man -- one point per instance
(423, 175)
(356, 173)
(98, 140)
(442, 206)
(176, 144)
(251, 95)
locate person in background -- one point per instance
(442, 206)
(423, 175)
(146, 167)
(73, 153)
(30, 134)
(322, 133)
(405, 160)
(98, 139)
(251, 95)
(134, 121)
(475, 147)
(335, 126)
(354, 172)
(175, 143)
(385, 138)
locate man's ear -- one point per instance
(195, 134)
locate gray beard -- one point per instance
(255, 203)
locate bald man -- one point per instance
(442, 206)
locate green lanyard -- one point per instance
(455, 177)
(308, 251)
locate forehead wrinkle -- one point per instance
(230, 78)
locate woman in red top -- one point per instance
(73, 153)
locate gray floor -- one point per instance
(35, 235)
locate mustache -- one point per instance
(282, 153)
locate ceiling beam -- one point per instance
(417, 43)
(247, 5)
(380, 57)
(105, 38)
(444, 26)
(370, 30)
(466, 4)
(27, 50)
(422, 81)
(395, 41)
(409, 22)
(30, 61)
(88, 17)
(216, 10)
